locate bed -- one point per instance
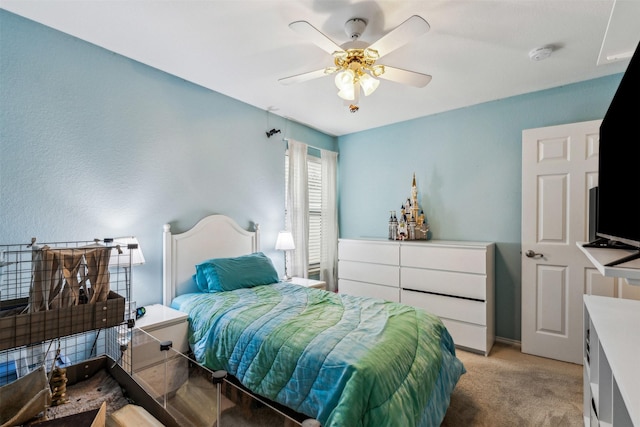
(343, 360)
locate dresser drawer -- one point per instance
(360, 289)
(444, 282)
(447, 307)
(468, 335)
(461, 259)
(372, 252)
(380, 274)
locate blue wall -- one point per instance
(96, 145)
(93, 144)
(468, 171)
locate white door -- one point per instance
(559, 165)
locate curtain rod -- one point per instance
(311, 146)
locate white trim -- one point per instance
(508, 341)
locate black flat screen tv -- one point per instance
(618, 213)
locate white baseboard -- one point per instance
(508, 341)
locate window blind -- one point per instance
(314, 178)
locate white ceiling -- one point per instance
(476, 50)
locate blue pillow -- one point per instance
(227, 274)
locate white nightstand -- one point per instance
(309, 283)
(149, 363)
(164, 324)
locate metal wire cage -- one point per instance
(56, 298)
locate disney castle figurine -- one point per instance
(411, 224)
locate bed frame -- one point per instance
(214, 236)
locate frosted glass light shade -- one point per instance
(344, 79)
(368, 84)
(285, 241)
(348, 93)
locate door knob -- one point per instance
(532, 254)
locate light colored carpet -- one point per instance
(510, 388)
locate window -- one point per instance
(314, 177)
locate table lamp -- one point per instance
(285, 243)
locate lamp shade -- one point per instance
(344, 79)
(344, 82)
(348, 93)
(131, 252)
(368, 84)
(285, 241)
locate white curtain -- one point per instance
(329, 219)
(297, 216)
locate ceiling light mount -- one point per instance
(540, 53)
(354, 28)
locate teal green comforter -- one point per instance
(345, 361)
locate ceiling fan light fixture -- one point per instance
(377, 70)
(345, 83)
(345, 79)
(340, 54)
(368, 84)
(355, 61)
(348, 93)
(371, 54)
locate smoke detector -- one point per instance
(354, 28)
(540, 53)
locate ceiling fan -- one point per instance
(355, 61)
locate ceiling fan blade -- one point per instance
(411, 78)
(299, 78)
(401, 35)
(314, 35)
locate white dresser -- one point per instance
(454, 280)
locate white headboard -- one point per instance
(215, 236)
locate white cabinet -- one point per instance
(454, 280)
(611, 374)
(160, 323)
(160, 372)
